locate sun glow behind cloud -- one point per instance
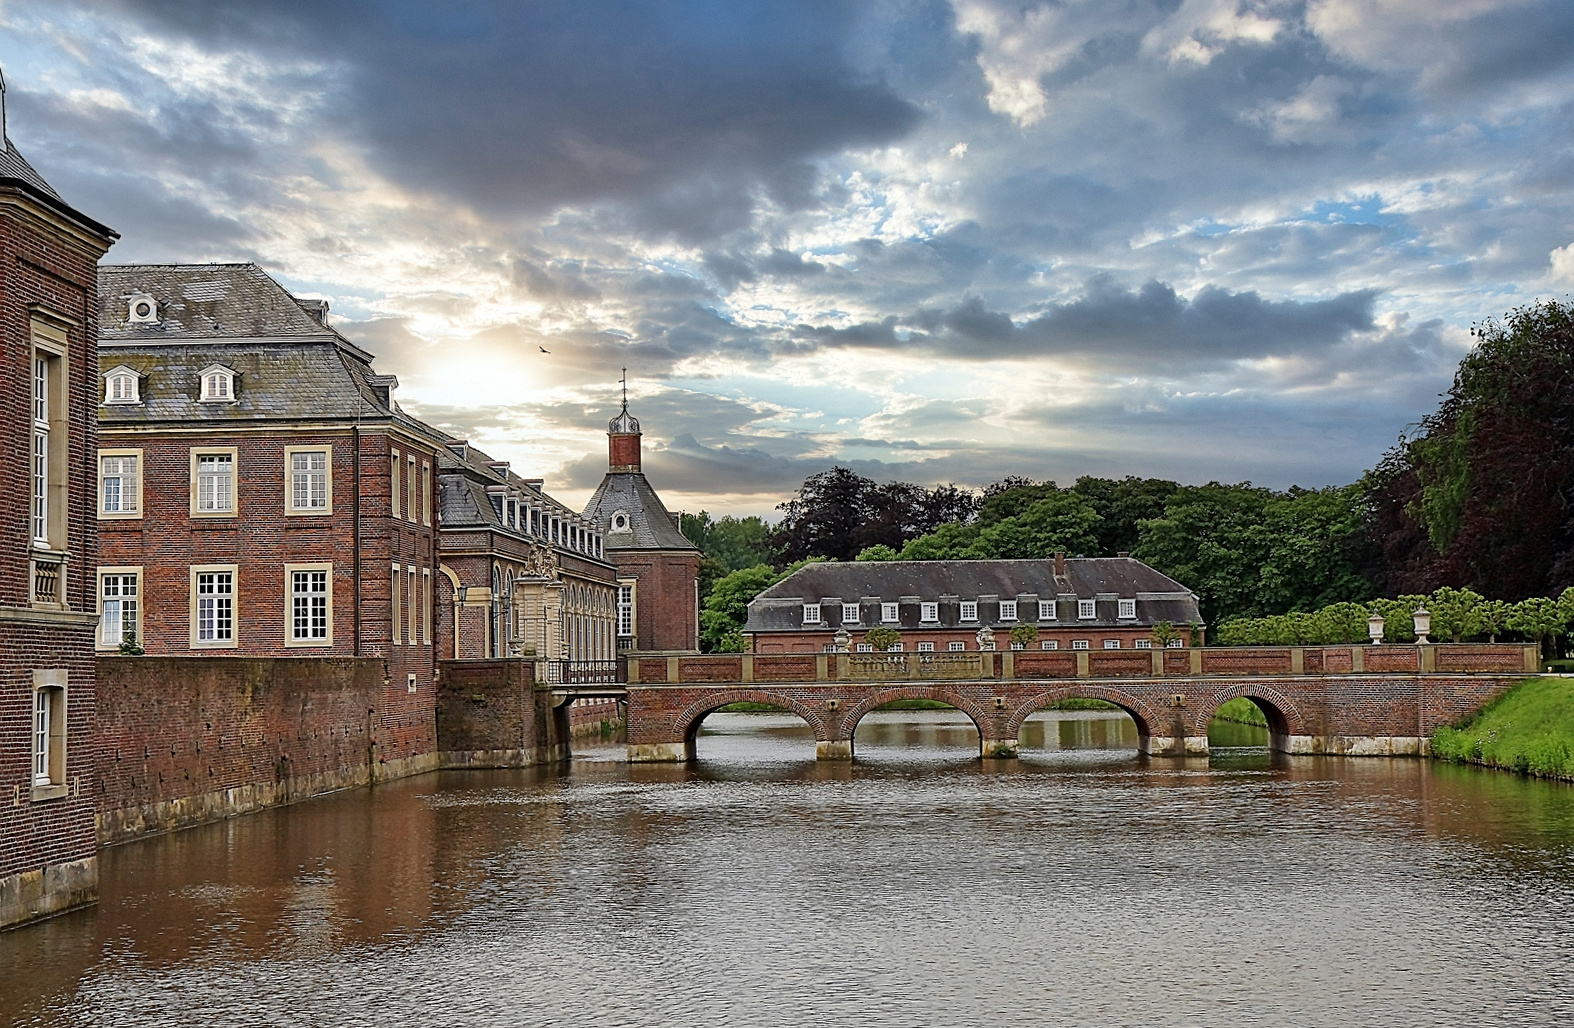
(937, 242)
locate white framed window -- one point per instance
(426, 492)
(393, 483)
(969, 610)
(426, 606)
(1086, 610)
(119, 484)
(1112, 644)
(1018, 646)
(1049, 644)
(119, 606)
(1079, 644)
(218, 384)
(926, 647)
(412, 485)
(895, 648)
(308, 472)
(309, 619)
(412, 604)
(1126, 608)
(865, 648)
(1143, 644)
(625, 609)
(849, 613)
(1046, 610)
(395, 611)
(122, 385)
(956, 647)
(1008, 610)
(929, 612)
(49, 473)
(811, 613)
(890, 613)
(1175, 644)
(43, 376)
(830, 647)
(213, 482)
(49, 733)
(213, 606)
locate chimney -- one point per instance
(1060, 563)
(1123, 553)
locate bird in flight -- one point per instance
(542, 348)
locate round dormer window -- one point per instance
(142, 309)
(620, 522)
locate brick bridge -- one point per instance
(1378, 700)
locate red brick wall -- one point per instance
(43, 262)
(666, 605)
(167, 541)
(489, 712)
(174, 734)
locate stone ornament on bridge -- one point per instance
(1423, 624)
(1374, 628)
(986, 638)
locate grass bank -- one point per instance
(1529, 729)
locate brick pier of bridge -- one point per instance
(1354, 700)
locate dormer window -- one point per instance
(849, 613)
(929, 613)
(969, 610)
(620, 521)
(141, 309)
(890, 613)
(811, 613)
(1128, 609)
(121, 385)
(218, 384)
(1046, 610)
(1008, 610)
(1086, 610)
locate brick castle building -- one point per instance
(259, 491)
(522, 573)
(48, 394)
(658, 569)
(1081, 603)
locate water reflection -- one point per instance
(1084, 884)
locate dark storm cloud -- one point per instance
(683, 111)
(1153, 322)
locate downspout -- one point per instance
(356, 543)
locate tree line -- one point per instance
(1474, 498)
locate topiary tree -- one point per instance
(1024, 635)
(882, 639)
(1537, 617)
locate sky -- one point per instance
(930, 240)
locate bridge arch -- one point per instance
(1140, 710)
(881, 697)
(687, 724)
(1283, 717)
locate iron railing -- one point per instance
(586, 672)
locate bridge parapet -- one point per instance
(1054, 665)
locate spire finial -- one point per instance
(625, 381)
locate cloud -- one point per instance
(682, 113)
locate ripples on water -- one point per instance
(1081, 885)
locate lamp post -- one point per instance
(1374, 628)
(1423, 624)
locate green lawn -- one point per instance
(1529, 729)
(1242, 711)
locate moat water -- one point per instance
(1081, 885)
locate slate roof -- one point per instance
(14, 166)
(202, 301)
(15, 171)
(650, 523)
(1105, 580)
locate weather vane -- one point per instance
(625, 381)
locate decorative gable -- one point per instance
(218, 384)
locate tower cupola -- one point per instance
(623, 437)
